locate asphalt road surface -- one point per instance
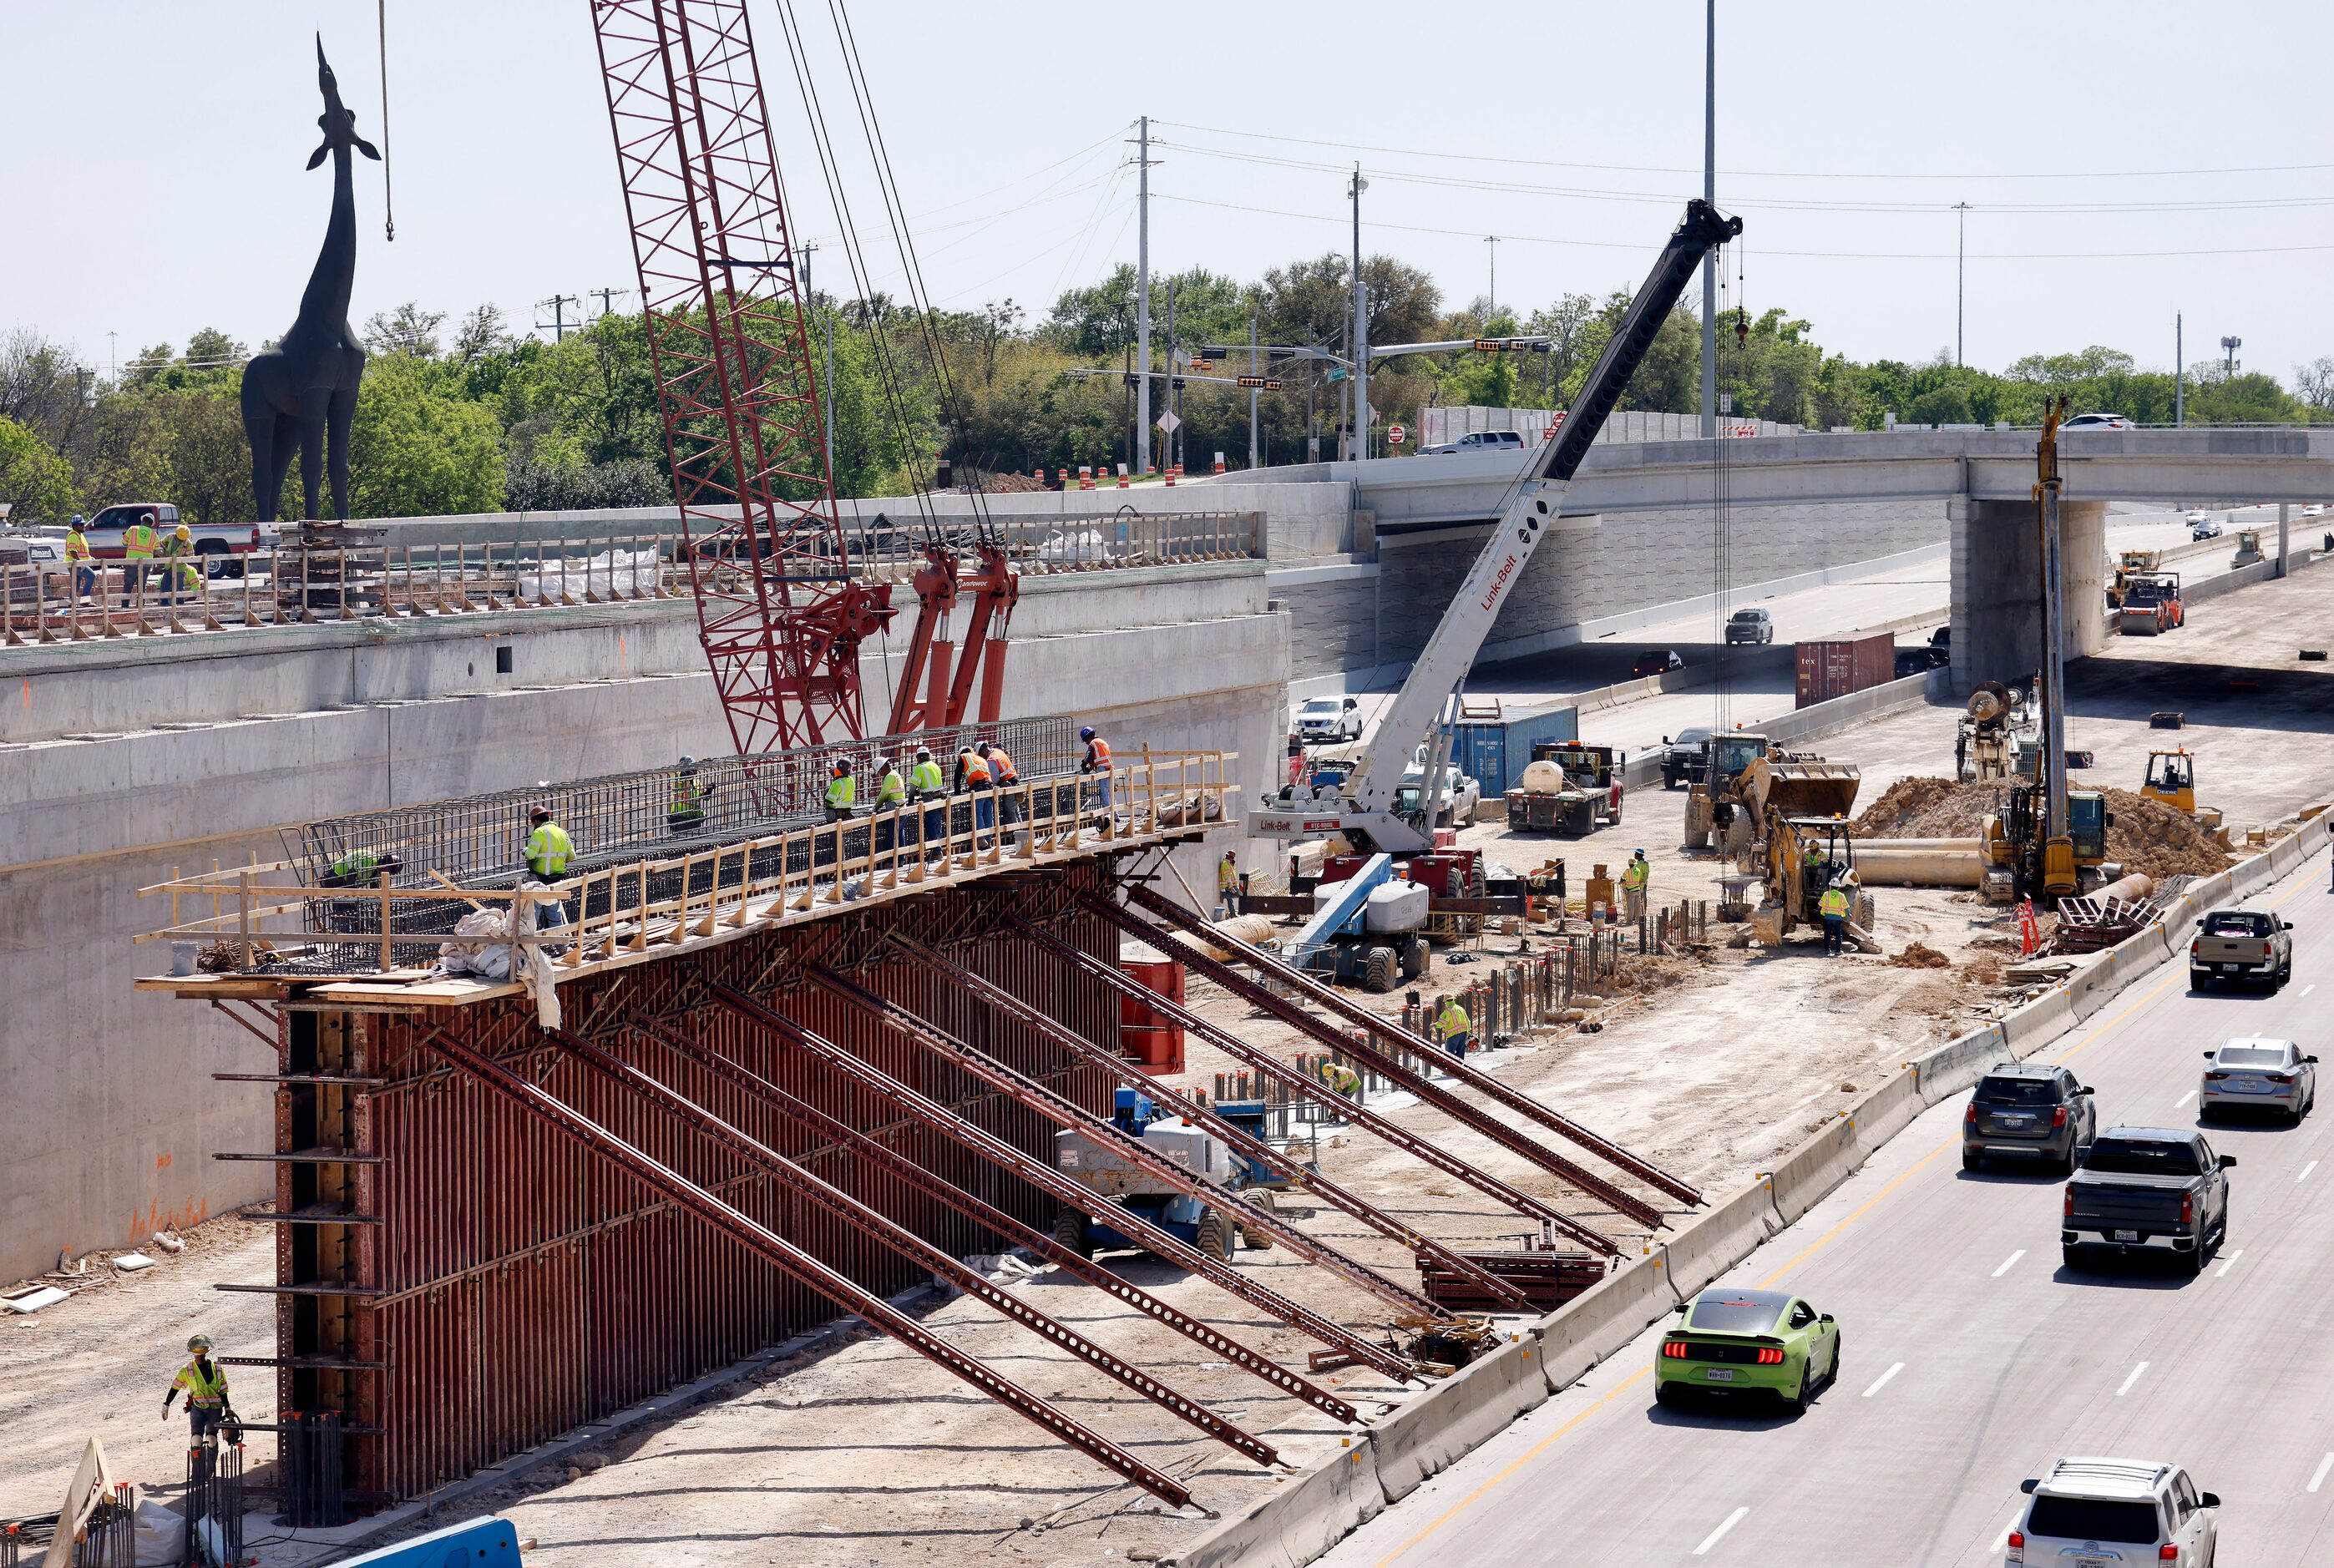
(1970, 1358)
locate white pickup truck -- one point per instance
(216, 543)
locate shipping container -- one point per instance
(1493, 751)
(1145, 1037)
(1837, 666)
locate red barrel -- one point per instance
(1145, 1036)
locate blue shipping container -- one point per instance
(1494, 752)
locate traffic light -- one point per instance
(1267, 383)
(1200, 366)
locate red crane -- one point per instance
(778, 611)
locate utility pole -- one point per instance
(2179, 377)
(1709, 195)
(2229, 347)
(559, 326)
(1174, 380)
(1143, 298)
(113, 357)
(1492, 240)
(1252, 460)
(606, 297)
(1961, 236)
(1360, 425)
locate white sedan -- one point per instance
(2257, 1073)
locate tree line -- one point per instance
(473, 418)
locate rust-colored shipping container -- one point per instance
(1145, 1037)
(1836, 666)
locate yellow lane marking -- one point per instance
(1826, 1239)
(1469, 1501)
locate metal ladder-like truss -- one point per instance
(779, 615)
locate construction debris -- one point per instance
(1921, 956)
(2146, 835)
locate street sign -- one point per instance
(1168, 421)
(1396, 435)
(1337, 372)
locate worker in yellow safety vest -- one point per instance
(841, 790)
(178, 555)
(548, 847)
(891, 789)
(1833, 907)
(686, 814)
(138, 543)
(1453, 1024)
(1228, 886)
(1633, 878)
(1342, 1079)
(204, 1383)
(78, 557)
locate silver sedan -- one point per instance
(2254, 1072)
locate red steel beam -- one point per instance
(1522, 1104)
(1312, 1088)
(1084, 1198)
(818, 1123)
(1384, 1062)
(1065, 1113)
(804, 1268)
(852, 1212)
(1202, 1115)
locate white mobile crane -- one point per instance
(1362, 807)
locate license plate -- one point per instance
(2231, 968)
(2016, 1121)
(2127, 1236)
(1718, 1374)
(2097, 1562)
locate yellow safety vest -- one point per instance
(138, 542)
(1632, 876)
(548, 850)
(1452, 1020)
(1832, 903)
(892, 790)
(174, 545)
(926, 778)
(76, 547)
(686, 801)
(1227, 877)
(842, 792)
(1340, 1077)
(204, 1387)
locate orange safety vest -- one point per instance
(1002, 765)
(976, 771)
(1097, 756)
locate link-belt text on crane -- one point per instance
(1500, 581)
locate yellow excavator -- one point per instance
(2171, 779)
(1800, 809)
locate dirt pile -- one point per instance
(1921, 956)
(2145, 836)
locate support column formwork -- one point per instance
(495, 1284)
(1996, 588)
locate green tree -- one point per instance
(36, 482)
(414, 452)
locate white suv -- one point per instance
(2106, 1512)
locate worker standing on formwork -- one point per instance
(138, 543)
(78, 557)
(891, 794)
(686, 813)
(842, 792)
(925, 783)
(178, 563)
(1833, 907)
(972, 774)
(548, 847)
(1096, 762)
(204, 1383)
(1002, 775)
(1452, 1026)
(1635, 877)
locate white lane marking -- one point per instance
(2318, 1476)
(2184, 1100)
(2228, 1263)
(1712, 1538)
(2305, 1172)
(2308, 988)
(2001, 1541)
(2007, 1262)
(2131, 1379)
(1881, 1381)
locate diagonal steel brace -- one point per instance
(804, 1268)
(864, 1146)
(1354, 1114)
(1039, 1174)
(1202, 1115)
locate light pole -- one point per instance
(1960, 252)
(1143, 296)
(1709, 195)
(2229, 347)
(1493, 241)
(2179, 377)
(1361, 342)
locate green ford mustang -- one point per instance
(1762, 1340)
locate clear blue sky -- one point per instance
(151, 153)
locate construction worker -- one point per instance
(178, 574)
(891, 789)
(138, 543)
(1228, 886)
(1002, 776)
(204, 1383)
(78, 558)
(925, 783)
(1633, 878)
(1452, 1026)
(1833, 907)
(1096, 762)
(361, 869)
(842, 792)
(972, 774)
(1342, 1079)
(548, 847)
(686, 815)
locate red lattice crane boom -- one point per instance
(778, 611)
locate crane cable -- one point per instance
(388, 197)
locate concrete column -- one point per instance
(2284, 508)
(1997, 587)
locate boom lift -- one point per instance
(1362, 807)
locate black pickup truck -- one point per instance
(2147, 1189)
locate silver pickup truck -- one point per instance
(2239, 944)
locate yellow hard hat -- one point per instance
(199, 1342)
(185, 532)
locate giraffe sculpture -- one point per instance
(302, 392)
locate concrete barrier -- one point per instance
(1887, 1110)
(1718, 1238)
(2040, 1022)
(1434, 1432)
(1311, 1512)
(1807, 1173)
(1599, 1321)
(1959, 1063)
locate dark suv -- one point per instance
(2030, 1112)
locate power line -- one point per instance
(559, 326)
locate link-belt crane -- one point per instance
(1361, 807)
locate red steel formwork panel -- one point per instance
(781, 619)
(517, 1284)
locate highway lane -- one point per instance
(1971, 1357)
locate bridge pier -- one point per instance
(1997, 587)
